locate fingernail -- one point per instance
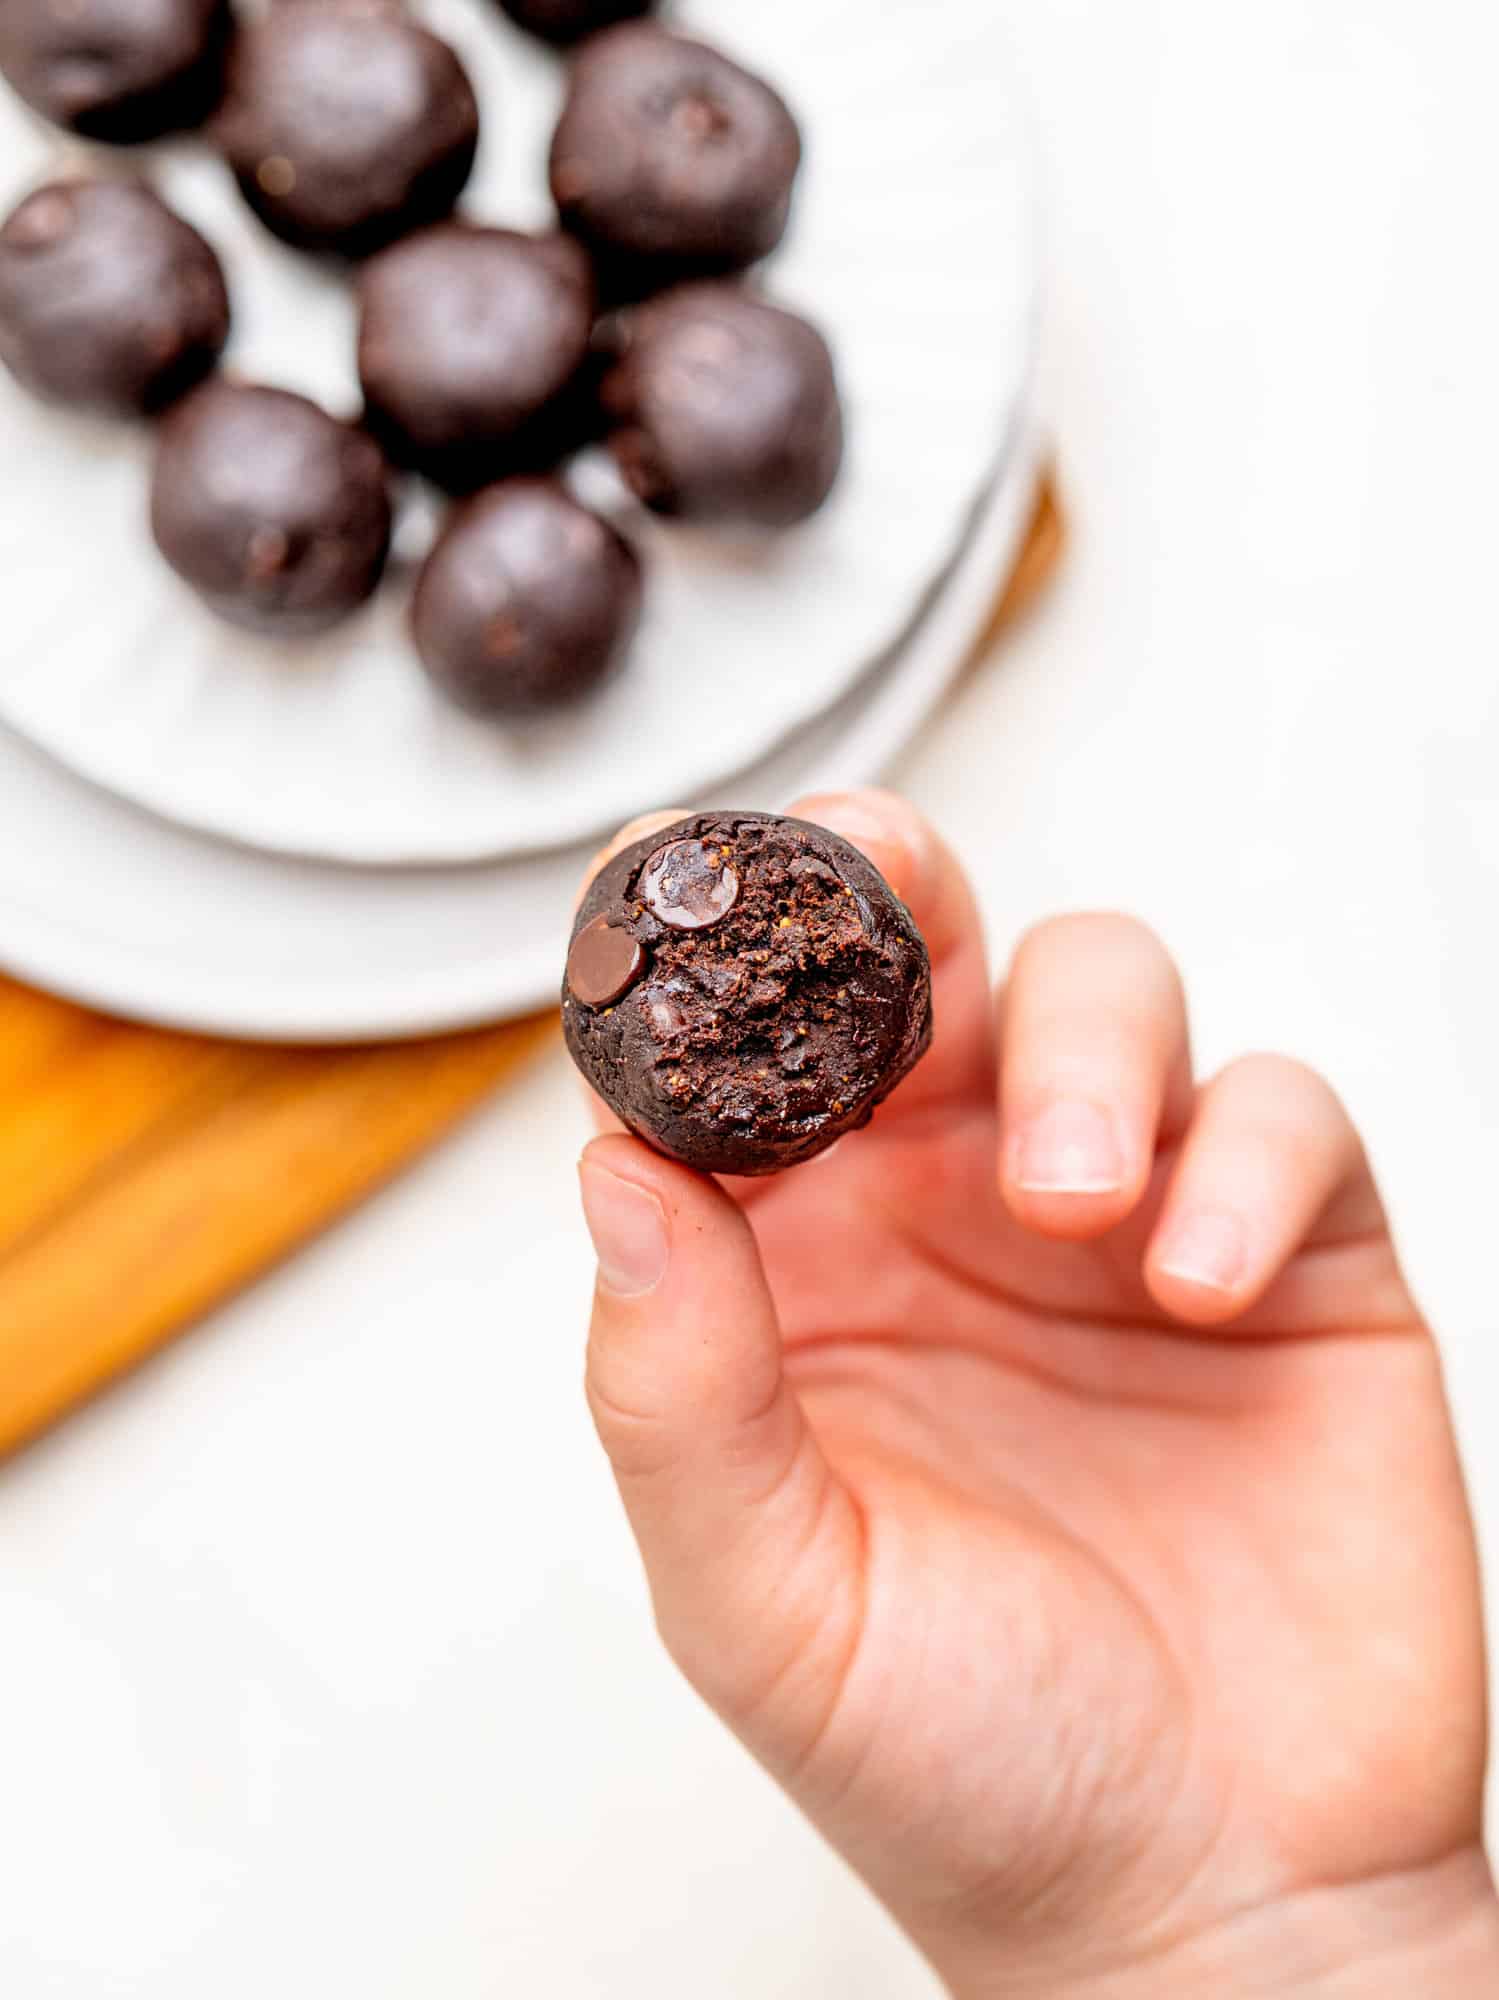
(1210, 1248)
(628, 1227)
(1069, 1148)
(882, 827)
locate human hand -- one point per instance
(1053, 1486)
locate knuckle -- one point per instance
(638, 1439)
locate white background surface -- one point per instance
(326, 1666)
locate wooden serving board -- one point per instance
(146, 1176)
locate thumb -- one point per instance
(751, 1545)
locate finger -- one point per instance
(1095, 1068)
(1271, 1158)
(751, 1546)
(927, 877)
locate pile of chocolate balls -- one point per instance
(487, 357)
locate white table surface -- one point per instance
(326, 1666)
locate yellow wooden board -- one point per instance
(146, 1176)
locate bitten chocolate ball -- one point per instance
(346, 124)
(669, 160)
(468, 339)
(117, 70)
(724, 408)
(526, 602)
(564, 21)
(108, 301)
(276, 514)
(742, 990)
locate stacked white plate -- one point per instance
(213, 831)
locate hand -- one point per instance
(1053, 1487)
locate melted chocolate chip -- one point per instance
(603, 964)
(689, 885)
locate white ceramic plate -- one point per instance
(912, 246)
(117, 908)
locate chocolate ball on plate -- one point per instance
(276, 514)
(742, 990)
(723, 408)
(670, 160)
(117, 70)
(346, 124)
(468, 340)
(526, 602)
(564, 21)
(108, 301)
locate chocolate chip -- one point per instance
(689, 885)
(603, 964)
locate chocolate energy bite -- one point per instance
(669, 160)
(564, 21)
(276, 514)
(347, 124)
(468, 340)
(108, 301)
(526, 602)
(743, 989)
(724, 408)
(117, 70)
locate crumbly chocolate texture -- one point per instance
(782, 990)
(669, 160)
(565, 21)
(108, 301)
(346, 124)
(526, 602)
(118, 70)
(723, 408)
(471, 343)
(277, 514)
